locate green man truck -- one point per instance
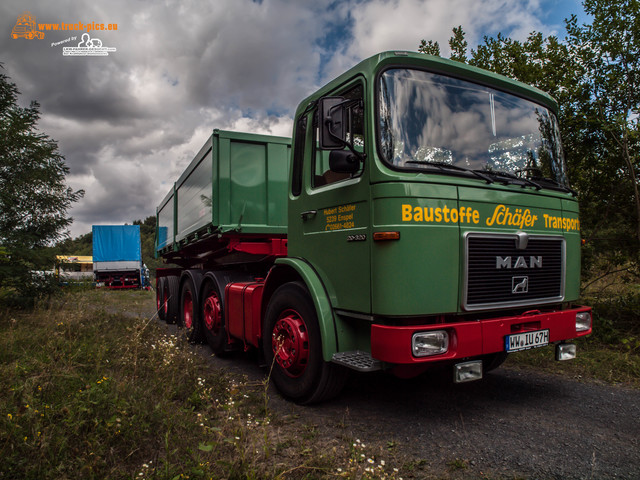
(420, 215)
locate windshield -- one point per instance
(428, 120)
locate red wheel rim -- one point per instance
(211, 314)
(290, 343)
(187, 315)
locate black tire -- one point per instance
(171, 299)
(190, 311)
(292, 347)
(213, 321)
(159, 298)
(493, 361)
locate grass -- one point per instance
(89, 392)
(86, 392)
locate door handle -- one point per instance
(308, 213)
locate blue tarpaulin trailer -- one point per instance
(117, 256)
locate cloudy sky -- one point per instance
(128, 123)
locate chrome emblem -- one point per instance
(518, 262)
(519, 285)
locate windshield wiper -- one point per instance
(448, 166)
(514, 179)
(556, 183)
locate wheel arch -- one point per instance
(296, 270)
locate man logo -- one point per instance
(519, 285)
(518, 262)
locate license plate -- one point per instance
(527, 340)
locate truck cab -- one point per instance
(431, 199)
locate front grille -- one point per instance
(499, 274)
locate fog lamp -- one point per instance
(467, 371)
(424, 344)
(565, 351)
(583, 321)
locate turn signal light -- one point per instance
(384, 236)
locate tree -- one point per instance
(458, 45)
(34, 198)
(608, 51)
(429, 48)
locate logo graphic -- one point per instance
(88, 47)
(519, 285)
(519, 262)
(25, 27)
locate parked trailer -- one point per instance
(421, 216)
(117, 256)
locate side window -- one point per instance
(298, 155)
(355, 134)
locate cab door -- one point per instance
(329, 217)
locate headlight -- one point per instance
(424, 344)
(583, 321)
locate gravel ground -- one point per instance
(514, 423)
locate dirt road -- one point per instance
(512, 424)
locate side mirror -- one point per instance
(332, 123)
(343, 161)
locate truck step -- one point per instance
(357, 360)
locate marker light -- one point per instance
(383, 236)
(424, 344)
(583, 321)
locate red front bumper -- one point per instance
(392, 344)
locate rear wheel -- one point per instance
(189, 312)
(171, 299)
(293, 347)
(213, 319)
(159, 298)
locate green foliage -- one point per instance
(92, 395)
(458, 45)
(33, 199)
(606, 53)
(429, 48)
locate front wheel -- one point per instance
(293, 347)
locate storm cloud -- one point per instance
(129, 123)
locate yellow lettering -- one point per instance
(494, 218)
(406, 213)
(446, 213)
(428, 214)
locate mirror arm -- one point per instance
(327, 121)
